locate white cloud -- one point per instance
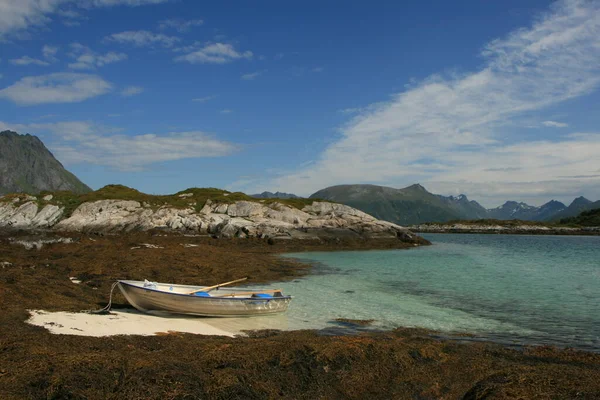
(216, 53)
(203, 99)
(17, 16)
(55, 88)
(132, 91)
(554, 124)
(444, 132)
(84, 142)
(143, 38)
(253, 75)
(86, 58)
(180, 25)
(26, 60)
(49, 53)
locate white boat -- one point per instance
(210, 301)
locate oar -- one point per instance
(207, 289)
(248, 293)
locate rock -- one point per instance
(236, 219)
(48, 197)
(38, 244)
(48, 216)
(184, 195)
(5, 264)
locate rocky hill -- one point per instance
(27, 166)
(213, 212)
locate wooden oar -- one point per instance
(248, 293)
(209, 288)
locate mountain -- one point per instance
(415, 205)
(578, 206)
(276, 195)
(525, 212)
(411, 205)
(586, 218)
(26, 165)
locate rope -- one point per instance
(105, 310)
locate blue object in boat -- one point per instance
(202, 294)
(263, 295)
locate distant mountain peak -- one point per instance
(416, 186)
(580, 201)
(26, 165)
(276, 195)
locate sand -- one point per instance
(119, 323)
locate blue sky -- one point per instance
(498, 100)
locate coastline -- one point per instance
(505, 229)
(266, 364)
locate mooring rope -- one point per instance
(105, 310)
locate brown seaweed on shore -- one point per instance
(400, 364)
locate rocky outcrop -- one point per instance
(236, 219)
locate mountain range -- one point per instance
(276, 195)
(27, 166)
(415, 205)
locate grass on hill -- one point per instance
(198, 198)
(586, 218)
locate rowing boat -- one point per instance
(210, 301)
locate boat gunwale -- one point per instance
(125, 282)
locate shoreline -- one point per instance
(504, 230)
(410, 362)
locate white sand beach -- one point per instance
(119, 323)
(132, 322)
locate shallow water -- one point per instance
(508, 288)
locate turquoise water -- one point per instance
(507, 288)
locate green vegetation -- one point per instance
(586, 218)
(195, 197)
(487, 222)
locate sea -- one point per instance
(511, 289)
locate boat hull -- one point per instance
(151, 299)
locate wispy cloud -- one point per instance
(203, 99)
(554, 124)
(318, 69)
(86, 58)
(49, 55)
(132, 91)
(216, 53)
(26, 60)
(180, 25)
(55, 88)
(84, 142)
(143, 39)
(50, 52)
(253, 75)
(226, 111)
(444, 132)
(18, 16)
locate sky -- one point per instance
(496, 100)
